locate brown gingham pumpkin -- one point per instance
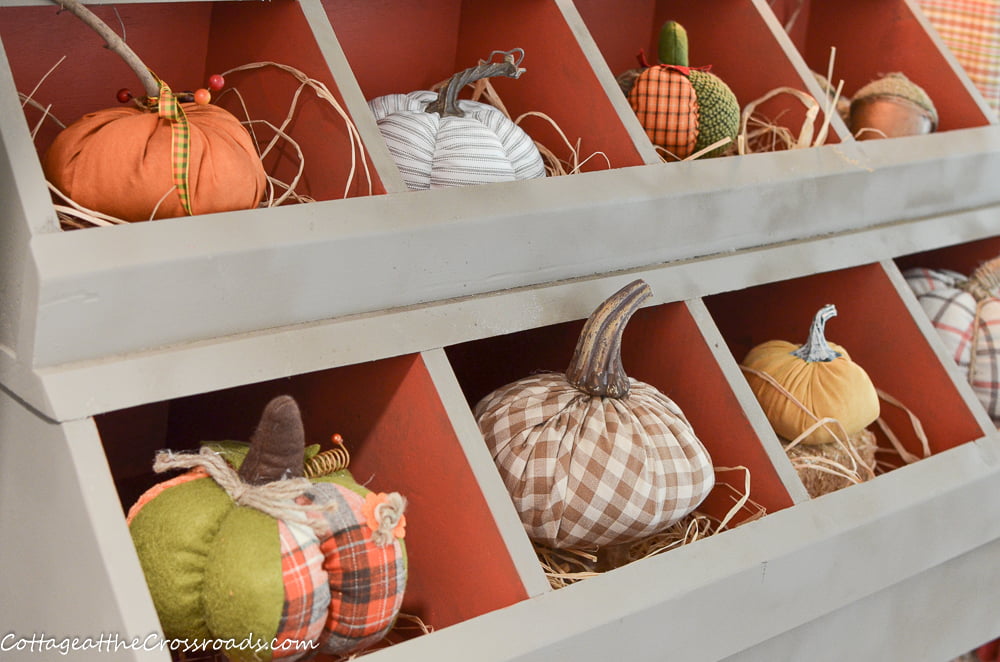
(965, 311)
(256, 544)
(591, 456)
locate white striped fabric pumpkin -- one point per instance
(966, 314)
(440, 141)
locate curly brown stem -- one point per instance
(115, 43)
(446, 103)
(596, 367)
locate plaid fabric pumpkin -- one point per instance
(667, 107)
(966, 314)
(438, 140)
(590, 456)
(324, 574)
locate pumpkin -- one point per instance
(159, 159)
(890, 107)
(821, 376)
(245, 545)
(438, 140)
(965, 311)
(591, 456)
(682, 109)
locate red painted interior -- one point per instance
(875, 37)
(733, 39)
(423, 42)
(184, 43)
(400, 440)
(663, 347)
(963, 258)
(877, 330)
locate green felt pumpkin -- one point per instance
(246, 547)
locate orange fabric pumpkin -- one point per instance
(118, 161)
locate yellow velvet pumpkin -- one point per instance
(819, 375)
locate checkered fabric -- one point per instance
(366, 580)
(971, 30)
(431, 151)
(307, 591)
(953, 313)
(180, 143)
(586, 470)
(667, 107)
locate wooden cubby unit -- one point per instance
(389, 315)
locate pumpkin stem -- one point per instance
(673, 44)
(277, 445)
(816, 349)
(596, 367)
(115, 43)
(985, 280)
(446, 104)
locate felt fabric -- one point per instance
(218, 570)
(431, 151)
(585, 470)
(838, 389)
(118, 161)
(667, 107)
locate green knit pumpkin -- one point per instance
(683, 110)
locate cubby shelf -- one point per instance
(389, 313)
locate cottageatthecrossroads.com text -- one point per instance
(113, 642)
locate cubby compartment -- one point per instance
(876, 37)
(184, 43)
(400, 439)
(422, 43)
(736, 39)
(664, 347)
(881, 335)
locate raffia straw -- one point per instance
(484, 92)
(563, 567)
(405, 624)
(323, 92)
(918, 430)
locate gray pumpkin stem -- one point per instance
(277, 446)
(446, 104)
(816, 349)
(596, 367)
(115, 43)
(985, 280)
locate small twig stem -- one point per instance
(446, 103)
(816, 348)
(115, 43)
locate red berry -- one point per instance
(337, 439)
(124, 95)
(216, 82)
(202, 96)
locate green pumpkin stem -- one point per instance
(673, 44)
(114, 43)
(596, 367)
(277, 445)
(985, 280)
(446, 103)
(816, 349)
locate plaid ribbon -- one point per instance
(584, 470)
(667, 107)
(180, 142)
